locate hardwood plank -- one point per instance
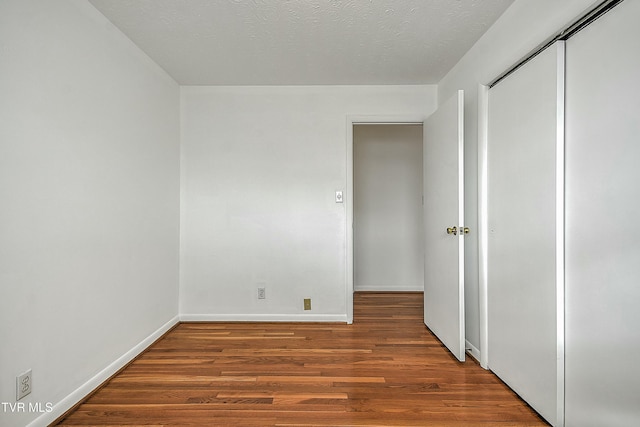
(386, 369)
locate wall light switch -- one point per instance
(338, 196)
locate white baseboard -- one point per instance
(388, 288)
(341, 318)
(472, 350)
(76, 396)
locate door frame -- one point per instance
(353, 120)
(483, 222)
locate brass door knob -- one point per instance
(465, 230)
(452, 230)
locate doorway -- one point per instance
(351, 123)
(387, 214)
(443, 187)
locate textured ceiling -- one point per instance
(304, 42)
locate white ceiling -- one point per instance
(304, 42)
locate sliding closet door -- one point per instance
(603, 221)
(524, 135)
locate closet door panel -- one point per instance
(522, 144)
(603, 221)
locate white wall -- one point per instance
(388, 230)
(521, 28)
(89, 190)
(260, 167)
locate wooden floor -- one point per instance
(386, 369)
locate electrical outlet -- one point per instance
(262, 293)
(23, 384)
(307, 303)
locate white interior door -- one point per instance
(525, 201)
(444, 209)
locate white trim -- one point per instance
(340, 318)
(472, 350)
(560, 218)
(81, 392)
(349, 223)
(461, 264)
(483, 139)
(348, 200)
(389, 288)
